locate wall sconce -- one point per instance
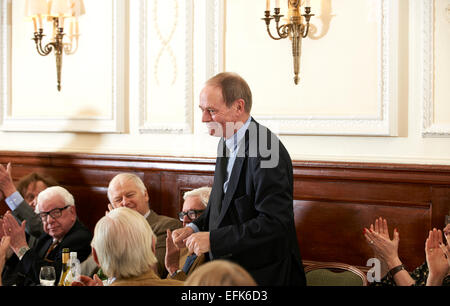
(55, 12)
(294, 28)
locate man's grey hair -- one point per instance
(203, 193)
(50, 192)
(127, 176)
(123, 242)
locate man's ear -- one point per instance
(240, 105)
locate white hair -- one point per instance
(203, 193)
(50, 192)
(123, 243)
(127, 176)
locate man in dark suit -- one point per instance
(249, 218)
(56, 208)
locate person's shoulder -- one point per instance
(166, 221)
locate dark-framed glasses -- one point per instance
(192, 214)
(54, 213)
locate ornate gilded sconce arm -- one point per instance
(295, 29)
(57, 46)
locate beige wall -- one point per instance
(360, 98)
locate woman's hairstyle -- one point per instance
(25, 181)
(123, 242)
(220, 273)
(233, 87)
(203, 193)
(50, 192)
(125, 177)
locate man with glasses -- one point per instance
(56, 208)
(179, 262)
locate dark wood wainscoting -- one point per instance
(333, 201)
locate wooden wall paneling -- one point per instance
(333, 231)
(174, 185)
(441, 206)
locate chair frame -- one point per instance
(337, 265)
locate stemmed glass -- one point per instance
(47, 276)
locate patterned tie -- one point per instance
(50, 249)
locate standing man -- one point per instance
(249, 218)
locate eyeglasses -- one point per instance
(192, 214)
(54, 213)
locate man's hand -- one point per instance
(87, 281)
(172, 259)
(15, 231)
(180, 235)
(198, 243)
(6, 183)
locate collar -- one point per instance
(147, 214)
(233, 142)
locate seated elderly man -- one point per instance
(124, 247)
(56, 208)
(178, 261)
(128, 190)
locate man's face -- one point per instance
(125, 192)
(215, 113)
(57, 227)
(32, 192)
(192, 203)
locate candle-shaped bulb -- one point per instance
(267, 5)
(34, 24)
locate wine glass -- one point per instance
(47, 276)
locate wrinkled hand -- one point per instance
(435, 252)
(381, 227)
(180, 235)
(6, 183)
(385, 248)
(198, 243)
(2, 232)
(15, 231)
(87, 281)
(172, 259)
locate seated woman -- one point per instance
(124, 247)
(393, 273)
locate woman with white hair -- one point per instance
(124, 247)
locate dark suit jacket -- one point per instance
(78, 239)
(34, 223)
(253, 223)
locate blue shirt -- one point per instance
(14, 200)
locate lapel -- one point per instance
(217, 190)
(234, 178)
